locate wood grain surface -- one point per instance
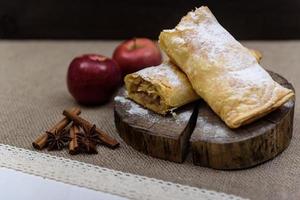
(164, 137)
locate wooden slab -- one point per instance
(216, 146)
(153, 134)
(213, 144)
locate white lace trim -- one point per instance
(99, 178)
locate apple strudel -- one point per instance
(160, 88)
(222, 71)
(155, 88)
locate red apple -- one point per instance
(92, 79)
(135, 54)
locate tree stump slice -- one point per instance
(216, 146)
(165, 137)
(213, 144)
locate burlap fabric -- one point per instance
(33, 94)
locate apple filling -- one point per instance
(146, 94)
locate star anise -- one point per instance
(57, 140)
(92, 134)
(88, 140)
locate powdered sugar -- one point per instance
(212, 130)
(213, 41)
(121, 99)
(184, 116)
(164, 72)
(251, 75)
(178, 40)
(134, 109)
(137, 110)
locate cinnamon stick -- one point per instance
(41, 141)
(104, 137)
(73, 145)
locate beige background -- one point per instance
(33, 94)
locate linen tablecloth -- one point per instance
(33, 94)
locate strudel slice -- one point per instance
(160, 88)
(221, 70)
